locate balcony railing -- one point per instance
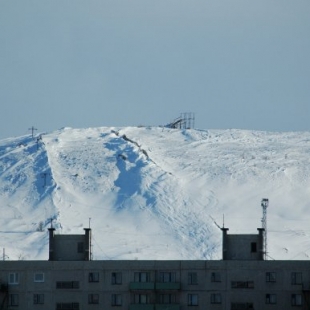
(168, 286)
(155, 286)
(142, 286)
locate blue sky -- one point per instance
(235, 64)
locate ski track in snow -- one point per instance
(155, 193)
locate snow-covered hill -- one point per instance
(154, 193)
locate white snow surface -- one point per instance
(154, 193)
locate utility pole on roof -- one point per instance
(264, 204)
(32, 130)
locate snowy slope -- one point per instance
(154, 193)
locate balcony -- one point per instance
(168, 286)
(141, 286)
(136, 286)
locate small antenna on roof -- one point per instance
(51, 222)
(264, 205)
(89, 222)
(223, 221)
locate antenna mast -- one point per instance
(264, 204)
(90, 244)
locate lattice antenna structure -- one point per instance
(184, 121)
(264, 204)
(188, 120)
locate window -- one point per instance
(116, 300)
(296, 278)
(270, 277)
(38, 299)
(192, 278)
(68, 306)
(93, 298)
(141, 299)
(13, 300)
(241, 306)
(271, 299)
(167, 298)
(215, 277)
(216, 298)
(13, 278)
(242, 284)
(167, 277)
(192, 299)
(253, 247)
(142, 277)
(296, 300)
(80, 247)
(39, 277)
(93, 277)
(116, 278)
(67, 284)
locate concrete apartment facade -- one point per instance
(242, 280)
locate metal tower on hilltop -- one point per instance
(188, 120)
(264, 204)
(184, 121)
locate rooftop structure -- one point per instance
(243, 280)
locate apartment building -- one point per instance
(242, 280)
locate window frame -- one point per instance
(38, 299)
(116, 300)
(67, 285)
(64, 306)
(167, 277)
(93, 299)
(216, 276)
(13, 300)
(192, 278)
(142, 299)
(296, 300)
(271, 276)
(215, 298)
(93, 277)
(242, 284)
(192, 300)
(142, 276)
(271, 299)
(116, 278)
(296, 278)
(13, 278)
(38, 280)
(241, 305)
